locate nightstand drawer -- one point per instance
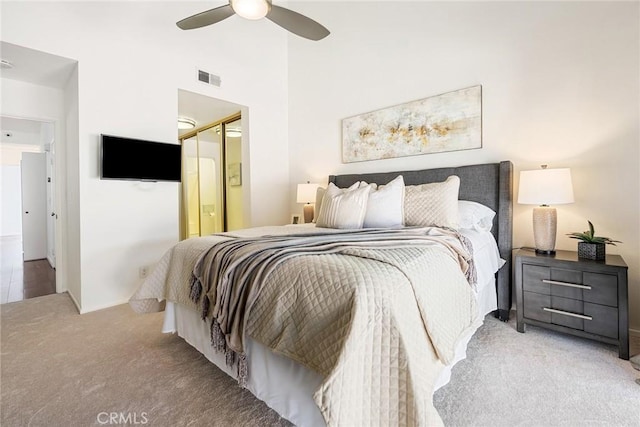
(557, 310)
(533, 276)
(596, 288)
(575, 314)
(566, 283)
(552, 281)
(567, 312)
(605, 320)
(533, 307)
(604, 288)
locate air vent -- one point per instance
(208, 78)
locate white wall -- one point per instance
(131, 60)
(11, 201)
(560, 86)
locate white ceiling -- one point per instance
(203, 109)
(35, 67)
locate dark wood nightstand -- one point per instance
(573, 295)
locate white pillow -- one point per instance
(434, 204)
(343, 207)
(319, 196)
(385, 208)
(475, 216)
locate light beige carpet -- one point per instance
(62, 369)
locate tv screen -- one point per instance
(134, 159)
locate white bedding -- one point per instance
(287, 386)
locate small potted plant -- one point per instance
(592, 246)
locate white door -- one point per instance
(34, 206)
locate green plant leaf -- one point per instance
(589, 236)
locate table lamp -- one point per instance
(545, 187)
(307, 194)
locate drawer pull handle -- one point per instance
(566, 313)
(570, 285)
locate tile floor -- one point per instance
(23, 280)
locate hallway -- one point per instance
(23, 280)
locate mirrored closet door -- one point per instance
(212, 179)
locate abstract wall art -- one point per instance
(448, 122)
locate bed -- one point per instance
(335, 387)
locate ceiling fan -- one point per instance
(258, 9)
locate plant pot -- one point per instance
(594, 251)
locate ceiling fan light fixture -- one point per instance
(251, 9)
(186, 123)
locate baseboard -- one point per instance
(634, 332)
(103, 306)
(75, 301)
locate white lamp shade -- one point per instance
(307, 193)
(545, 187)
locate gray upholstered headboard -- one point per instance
(490, 184)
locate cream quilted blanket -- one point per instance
(378, 323)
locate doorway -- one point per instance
(212, 178)
(27, 231)
(214, 193)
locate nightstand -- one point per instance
(573, 295)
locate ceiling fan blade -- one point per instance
(297, 23)
(208, 17)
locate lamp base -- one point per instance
(307, 211)
(545, 221)
(541, 252)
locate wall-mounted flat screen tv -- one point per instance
(138, 160)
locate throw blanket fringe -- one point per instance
(242, 370)
(196, 288)
(217, 337)
(205, 307)
(231, 357)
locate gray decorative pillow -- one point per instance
(434, 204)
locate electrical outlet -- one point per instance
(143, 272)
